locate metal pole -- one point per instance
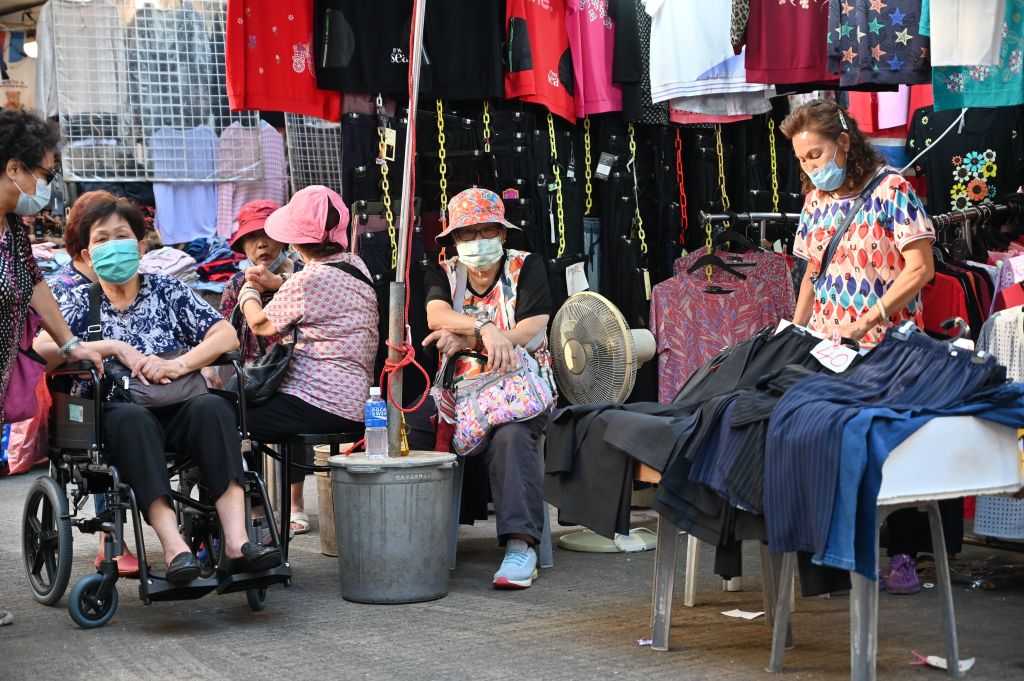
(750, 217)
(396, 293)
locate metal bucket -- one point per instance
(325, 499)
(392, 518)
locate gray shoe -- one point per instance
(6, 618)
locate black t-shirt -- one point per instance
(978, 164)
(532, 295)
(363, 46)
(463, 43)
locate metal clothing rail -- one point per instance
(971, 216)
(762, 219)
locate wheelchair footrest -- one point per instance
(158, 589)
(244, 581)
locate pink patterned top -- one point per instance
(336, 316)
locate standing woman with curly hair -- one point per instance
(884, 259)
(27, 167)
(875, 277)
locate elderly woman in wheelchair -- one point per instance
(157, 334)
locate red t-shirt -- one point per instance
(540, 62)
(942, 299)
(269, 60)
(787, 42)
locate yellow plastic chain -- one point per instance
(487, 126)
(442, 166)
(587, 172)
(720, 151)
(389, 215)
(709, 243)
(639, 220)
(558, 185)
(775, 167)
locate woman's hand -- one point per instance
(501, 354)
(158, 370)
(263, 279)
(448, 342)
(128, 356)
(854, 330)
(87, 352)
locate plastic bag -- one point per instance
(27, 442)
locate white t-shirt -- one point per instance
(688, 37)
(966, 32)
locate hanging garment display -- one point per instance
(979, 160)
(269, 61)
(474, 69)
(540, 65)
(687, 39)
(877, 42)
(185, 210)
(237, 155)
(977, 85)
(19, 85)
(591, 34)
(773, 60)
(964, 32)
(632, 60)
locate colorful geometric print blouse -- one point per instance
(870, 258)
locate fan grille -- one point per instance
(610, 368)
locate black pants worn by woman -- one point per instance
(286, 415)
(201, 430)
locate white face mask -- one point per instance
(480, 253)
(30, 205)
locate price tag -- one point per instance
(551, 221)
(386, 152)
(834, 357)
(604, 166)
(76, 413)
(510, 194)
(576, 279)
(647, 283)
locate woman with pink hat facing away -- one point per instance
(332, 307)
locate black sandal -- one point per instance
(184, 568)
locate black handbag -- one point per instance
(120, 386)
(265, 374)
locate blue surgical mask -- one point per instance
(30, 205)
(115, 262)
(830, 176)
(480, 253)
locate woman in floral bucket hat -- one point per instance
(506, 304)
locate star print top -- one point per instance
(870, 258)
(877, 41)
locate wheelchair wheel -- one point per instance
(85, 608)
(257, 598)
(46, 542)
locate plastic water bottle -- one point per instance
(376, 422)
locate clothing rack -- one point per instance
(972, 216)
(762, 219)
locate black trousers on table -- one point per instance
(202, 429)
(286, 415)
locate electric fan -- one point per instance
(596, 358)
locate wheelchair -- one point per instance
(80, 468)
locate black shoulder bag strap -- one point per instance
(837, 238)
(95, 321)
(353, 271)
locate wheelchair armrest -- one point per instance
(227, 359)
(82, 368)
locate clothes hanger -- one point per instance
(714, 261)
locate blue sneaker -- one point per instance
(518, 569)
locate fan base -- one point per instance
(588, 541)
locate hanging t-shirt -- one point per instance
(185, 210)
(1002, 85)
(539, 59)
(363, 46)
(269, 63)
(240, 149)
(964, 32)
(870, 258)
(877, 42)
(775, 55)
(463, 40)
(687, 39)
(592, 41)
(972, 165)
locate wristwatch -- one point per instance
(479, 325)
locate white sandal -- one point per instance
(301, 519)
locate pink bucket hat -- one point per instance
(302, 220)
(474, 206)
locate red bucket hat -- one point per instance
(474, 206)
(252, 217)
(303, 220)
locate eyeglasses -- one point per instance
(50, 173)
(486, 232)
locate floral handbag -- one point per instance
(478, 404)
